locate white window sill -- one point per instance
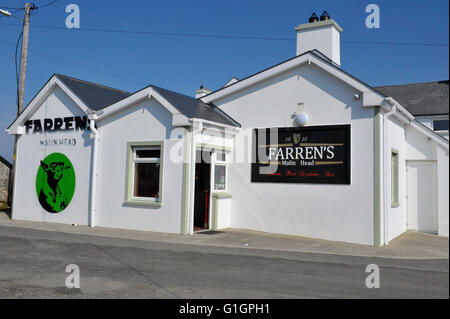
(136, 202)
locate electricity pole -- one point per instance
(21, 89)
(23, 59)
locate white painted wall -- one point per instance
(145, 121)
(421, 148)
(422, 198)
(396, 216)
(443, 191)
(26, 205)
(223, 216)
(334, 212)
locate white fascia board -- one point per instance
(74, 98)
(17, 126)
(430, 133)
(344, 77)
(178, 119)
(371, 99)
(232, 81)
(296, 62)
(16, 130)
(172, 109)
(213, 124)
(255, 79)
(123, 104)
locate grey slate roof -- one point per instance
(97, 97)
(93, 95)
(430, 98)
(193, 108)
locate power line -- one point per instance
(17, 71)
(47, 5)
(79, 65)
(397, 43)
(218, 36)
(157, 33)
(10, 8)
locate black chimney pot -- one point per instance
(313, 18)
(324, 16)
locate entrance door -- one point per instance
(202, 190)
(422, 196)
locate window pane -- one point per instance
(220, 156)
(394, 178)
(219, 177)
(146, 180)
(440, 125)
(148, 153)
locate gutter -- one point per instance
(196, 120)
(92, 118)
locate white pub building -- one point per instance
(300, 148)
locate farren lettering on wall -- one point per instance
(57, 124)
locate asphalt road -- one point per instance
(33, 265)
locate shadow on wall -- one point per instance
(5, 183)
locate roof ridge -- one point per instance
(427, 82)
(92, 83)
(315, 52)
(193, 107)
(158, 87)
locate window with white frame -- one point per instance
(146, 173)
(220, 171)
(440, 125)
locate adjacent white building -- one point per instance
(427, 102)
(301, 148)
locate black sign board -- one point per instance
(314, 154)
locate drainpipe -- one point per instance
(379, 193)
(92, 119)
(385, 203)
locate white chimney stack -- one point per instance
(323, 35)
(201, 92)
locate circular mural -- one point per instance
(55, 182)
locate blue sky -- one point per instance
(182, 63)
